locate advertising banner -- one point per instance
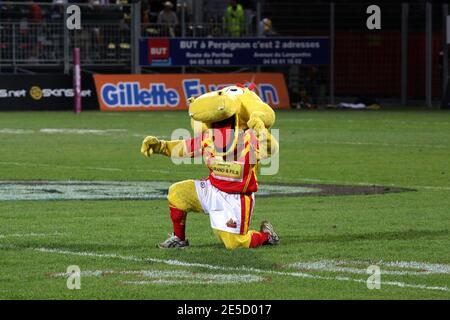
(134, 92)
(44, 92)
(234, 51)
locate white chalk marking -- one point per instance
(107, 190)
(62, 131)
(80, 131)
(173, 277)
(360, 143)
(30, 164)
(25, 235)
(217, 267)
(177, 282)
(428, 267)
(395, 145)
(16, 131)
(376, 184)
(417, 268)
(360, 121)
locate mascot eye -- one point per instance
(234, 91)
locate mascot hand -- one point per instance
(208, 150)
(256, 122)
(150, 145)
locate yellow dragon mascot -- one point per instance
(231, 134)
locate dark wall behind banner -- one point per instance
(44, 92)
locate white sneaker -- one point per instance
(267, 227)
(173, 242)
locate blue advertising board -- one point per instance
(234, 51)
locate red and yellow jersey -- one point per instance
(235, 175)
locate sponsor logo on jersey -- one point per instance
(231, 224)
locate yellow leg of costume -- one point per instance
(182, 195)
(234, 241)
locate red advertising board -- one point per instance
(131, 92)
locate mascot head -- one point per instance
(226, 111)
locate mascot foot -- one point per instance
(267, 227)
(173, 242)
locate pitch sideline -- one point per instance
(169, 277)
(326, 181)
(32, 234)
(217, 267)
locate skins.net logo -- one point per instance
(36, 93)
(130, 94)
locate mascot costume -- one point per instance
(231, 134)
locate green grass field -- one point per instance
(327, 241)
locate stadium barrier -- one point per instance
(224, 52)
(35, 44)
(171, 91)
(44, 92)
(407, 59)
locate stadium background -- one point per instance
(404, 63)
(370, 187)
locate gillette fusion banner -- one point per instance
(136, 92)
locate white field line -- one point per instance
(356, 143)
(417, 268)
(29, 164)
(314, 180)
(376, 144)
(62, 131)
(80, 131)
(328, 181)
(25, 235)
(429, 267)
(359, 121)
(178, 282)
(16, 131)
(75, 132)
(217, 267)
(173, 276)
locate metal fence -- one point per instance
(48, 43)
(193, 29)
(406, 60)
(104, 42)
(30, 44)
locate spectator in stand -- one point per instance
(148, 18)
(34, 32)
(57, 10)
(234, 19)
(214, 9)
(145, 13)
(249, 13)
(155, 8)
(97, 34)
(266, 29)
(213, 28)
(168, 19)
(35, 15)
(125, 9)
